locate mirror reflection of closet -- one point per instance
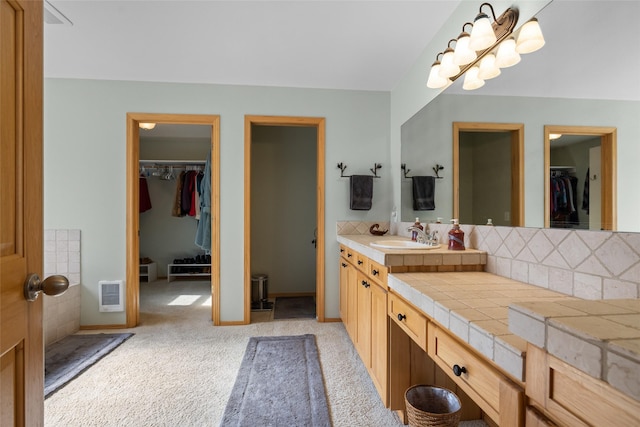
(580, 179)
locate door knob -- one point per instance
(52, 285)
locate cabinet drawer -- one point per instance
(347, 254)
(412, 322)
(478, 378)
(362, 262)
(378, 273)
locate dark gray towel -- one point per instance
(423, 193)
(361, 192)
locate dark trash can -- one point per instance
(432, 406)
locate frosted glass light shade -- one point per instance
(507, 55)
(147, 126)
(447, 67)
(488, 68)
(435, 81)
(530, 38)
(471, 79)
(482, 35)
(463, 55)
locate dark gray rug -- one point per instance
(295, 308)
(279, 384)
(72, 355)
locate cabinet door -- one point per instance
(363, 341)
(344, 288)
(352, 302)
(379, 340)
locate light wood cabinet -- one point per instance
(410, 320)
(498, 397)
(568, 396)
(363, 309)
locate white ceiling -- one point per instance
(364, 45)
(357, 44)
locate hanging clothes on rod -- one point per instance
(564, 198)
(203, 232)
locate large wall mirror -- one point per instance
(563, 84)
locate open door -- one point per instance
(21, 224)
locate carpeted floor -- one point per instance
(179, 370)
(279, 383)
(72, 355)
(295, 308)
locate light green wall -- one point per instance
(85, 176)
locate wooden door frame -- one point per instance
(609, 172)
(517, 164)
(133, 197)
(319, 124)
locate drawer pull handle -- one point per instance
(364, 283)
(375, 272)
(344, 265)
(459, 370)
(348, 255)
(403, 316)
(341, 250)
(359, 262)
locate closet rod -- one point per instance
(173, 162)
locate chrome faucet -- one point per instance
(426, 238)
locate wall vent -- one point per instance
(54, 16)
(110, 295)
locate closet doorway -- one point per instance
(286, 157)
(166, 168)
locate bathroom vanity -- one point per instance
(434, 316)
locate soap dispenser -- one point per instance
(456, 237)
(414, 234)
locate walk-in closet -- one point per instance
(174, 214)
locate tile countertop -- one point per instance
(475, 307)
(598, 337)
(409, 257)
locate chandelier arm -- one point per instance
(492, 11)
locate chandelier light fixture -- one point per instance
(481, 54)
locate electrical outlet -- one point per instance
(507, 216)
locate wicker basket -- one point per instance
(432, 406)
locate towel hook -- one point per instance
(437, 168)
(375, 168)
(405, 170)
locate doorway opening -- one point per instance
(580, 172)
(487, 156)
(284, 170)
(134, 265)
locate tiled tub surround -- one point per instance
(600, 338)
(474, 307)
(62, 256)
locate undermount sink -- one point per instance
(402, 244)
